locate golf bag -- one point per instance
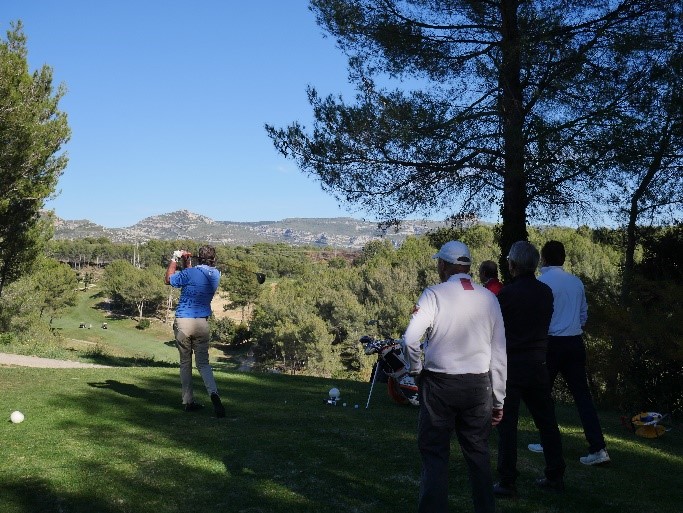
(392, 363)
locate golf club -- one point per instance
(260, 277)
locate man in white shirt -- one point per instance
(462, 378)
(566, 348)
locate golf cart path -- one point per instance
(18, 360)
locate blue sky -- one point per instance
(167, 101)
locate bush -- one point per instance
(143, 324)
(222, 330)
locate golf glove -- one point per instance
(177, 255)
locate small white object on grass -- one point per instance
(335, 393)
(16, 417)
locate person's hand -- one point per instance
(496, 416)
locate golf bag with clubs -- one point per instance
(391, 363)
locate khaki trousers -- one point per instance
(192, 336)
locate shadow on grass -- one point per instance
(38, 496)
(125, 361)
(281, 449)
(127, 389)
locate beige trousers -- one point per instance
(192, 335)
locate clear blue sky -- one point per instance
(167, 100)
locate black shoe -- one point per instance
(552, 485)
(192, 406)
(504, 490)
(218, 407)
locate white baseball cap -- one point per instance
(455, 252)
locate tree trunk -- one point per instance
(511, 107)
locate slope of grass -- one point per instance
(121, 338)
(116, 441)
(121, 344)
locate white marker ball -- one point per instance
(356, 406)
(16, 417)
(335, 393)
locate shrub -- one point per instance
(222, 330)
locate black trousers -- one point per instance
(567, 356)
(528, 381)
(462, 403)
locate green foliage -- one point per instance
(32, 132)
(647, 368)
(134, 289)
(585, 258)
(222, 330)
(663, 254)
(238, 279)
(289, 333)
(55, 287)
(31, 303)
(143, 324)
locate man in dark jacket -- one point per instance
(527, 307)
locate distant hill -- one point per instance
(342, 232)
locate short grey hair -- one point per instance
(524, 256)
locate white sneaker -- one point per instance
(535, 447)
(596, 458)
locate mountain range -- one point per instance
(341, 232)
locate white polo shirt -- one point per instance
(570, 310)
(466, 334)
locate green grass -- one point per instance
(116, 441)
(121, 344)
(120, 339)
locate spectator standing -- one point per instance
(527, 307)
(488, 276)
(566, 348)
(462, 379)
(191, 326)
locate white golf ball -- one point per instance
(16, 417)
(335, 393)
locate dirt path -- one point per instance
(18, 360)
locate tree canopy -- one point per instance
(465, 106)
(32, 133)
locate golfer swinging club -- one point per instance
(191, 327)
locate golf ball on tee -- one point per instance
(16, 417)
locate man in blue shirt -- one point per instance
(566, 348)
(191, 327)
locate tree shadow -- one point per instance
(127, 389)
(35, 495)
(127, 361)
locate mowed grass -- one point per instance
(121, 338)
(116, 441)
(121, 344)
